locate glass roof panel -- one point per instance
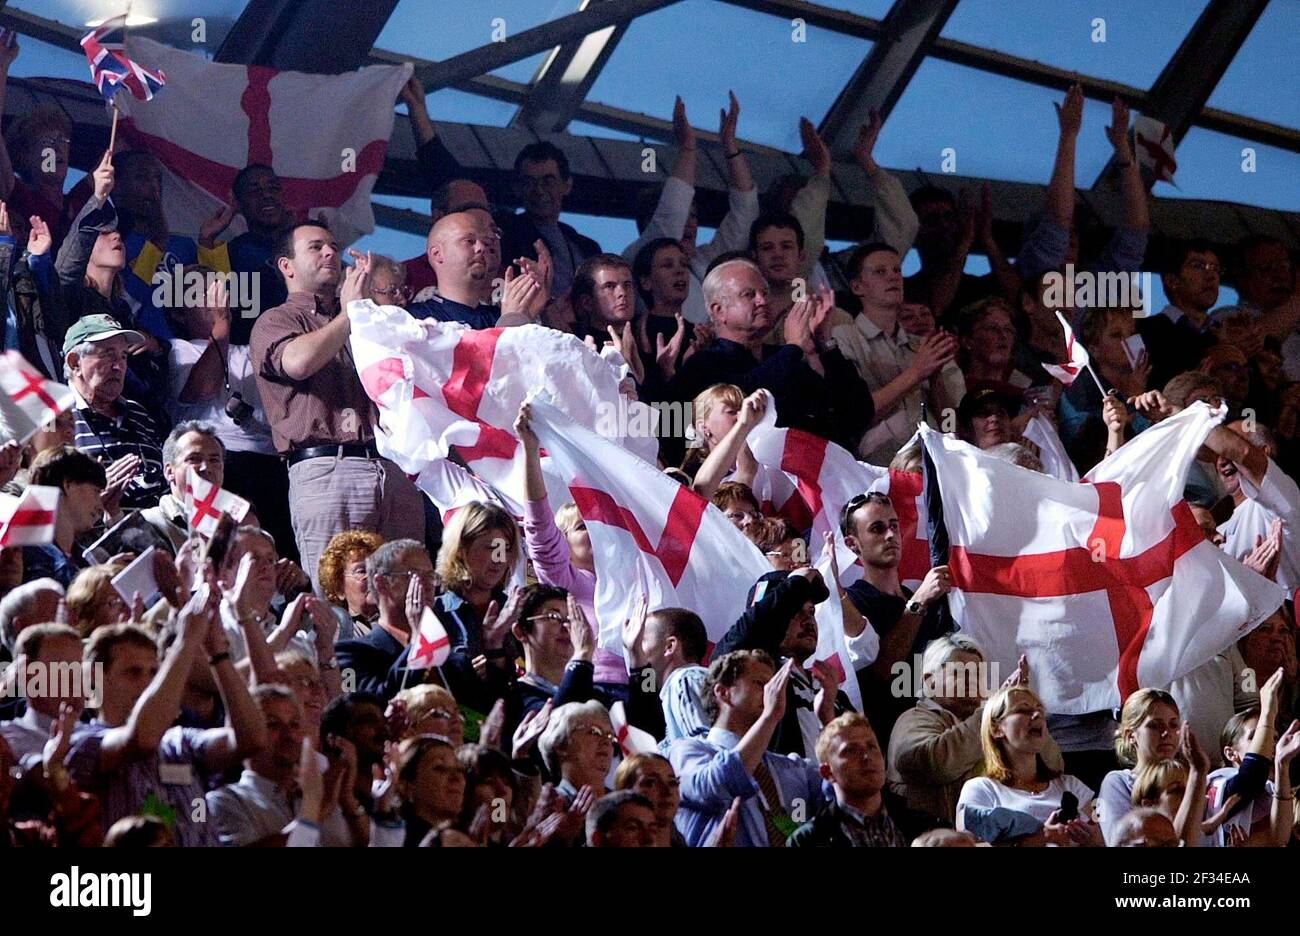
(1214, 165)
(1267, 61)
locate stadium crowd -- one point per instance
(264, 697)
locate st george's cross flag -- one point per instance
(1074, 350)
(28, 519)
(431, 646)
(28, 400)
(827, 476)
(649, 534)
(442, 388)
(111, 69)
(1155, 148)
(217, 118)
(1106, 586)
(205, 503)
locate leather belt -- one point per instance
(349, 450)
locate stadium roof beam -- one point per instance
(878, 83)
(1027, 70)
(1191, 75)
(562, 83)
(557, 32)
(293, 34)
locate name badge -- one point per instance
(176, 774)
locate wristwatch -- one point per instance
(914, 608)
(830, 344)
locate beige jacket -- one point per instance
(932, 753)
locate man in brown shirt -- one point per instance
(321, 419)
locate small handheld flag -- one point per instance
(111, 70)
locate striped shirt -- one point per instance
(133, 432)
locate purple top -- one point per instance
(549, 551)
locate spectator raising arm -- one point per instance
(308, 353)
(895, 222)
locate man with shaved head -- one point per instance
(815, 388)
(464, 250)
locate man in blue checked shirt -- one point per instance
(746, 693)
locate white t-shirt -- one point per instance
(1258, 811)
(255, 434)
(1277, 496)
(988, 793)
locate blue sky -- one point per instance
(701, 48)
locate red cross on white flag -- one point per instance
(430, 646)
(1106, 586)
(28, 520)
(1074, 350)
(326, 136)
(28, 400)
(1155, 148)
(205, 503)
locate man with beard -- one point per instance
(781, 621)
(464, 250)
(908, 373)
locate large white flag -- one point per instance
(324, 135)
(648, 533)
(444, 387)
(28, 400)
(1106, 586)
(827, 476)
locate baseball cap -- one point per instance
(978, 401)
(97, 328)
(771, 579)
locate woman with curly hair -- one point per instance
(342, 575)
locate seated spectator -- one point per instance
(388, 282)
(490, 784)
(623, 819)
(745, 696)
(53, 653)
(780, 542)
(852, 762)
(480, 548)
(300, 673)
(61, 430)
(32, 183)
(908, 374)
(603, 296)
(1262, 810)
(651, 776)
(93, 602)
(1266, 649)
(542, 182)
(935, 745)
(426, 709)
(342, 577)
(1149, 730)
(1017, 779)
(213, 381)
(431, 782)
(358, 719)
(1230, 367)
(131, 753)
(118, 432)
(250, 576)
(257, 810)
(578, 748)
(81, 482)
(1145, 828)
(557, 654)
(35, 601)
(560, 550)
(1177, 336)
(191, 448)
(988, 340)
(814, 387)
(1177, 790)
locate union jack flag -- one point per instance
(111, 70)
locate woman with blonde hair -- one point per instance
(425, 709)
(93, 602)
(1149, 731)
(343, 581)
(480, 547)
(1019, 800)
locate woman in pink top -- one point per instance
(560, 549)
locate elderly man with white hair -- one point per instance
(34, 602)
(935, 745)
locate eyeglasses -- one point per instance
(393, 291)
(596, 732)
(1204, 266)
(553, 617)
(444, 715)
(54, 141)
